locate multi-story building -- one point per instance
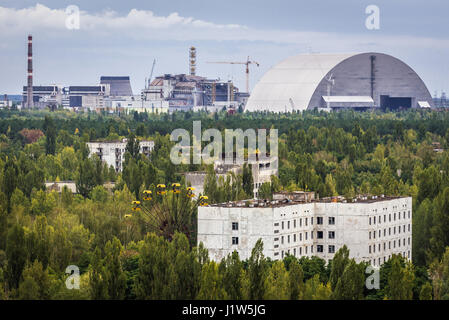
(373, 228)
(190, 92)
(113, 152)
(262, 169)
(90, 97)
(44, 96)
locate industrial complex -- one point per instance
(166, 93)
(365, 81)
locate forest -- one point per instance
(119, 253)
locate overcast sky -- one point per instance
(123, 37)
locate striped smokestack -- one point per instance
(30, 103)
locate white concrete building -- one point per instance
(373, 228)
(262, 170)
(113, 152)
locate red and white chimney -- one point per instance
(30, 103)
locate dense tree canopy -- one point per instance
(344, 153)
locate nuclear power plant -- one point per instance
(165, 93)
(365, 81)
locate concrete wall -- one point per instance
(353, 78)
(293, 229)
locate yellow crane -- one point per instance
(246, 63)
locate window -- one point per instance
(235, 240)
(331, 235)
(311, 221)
(235, 226)
(331, 249)
(282, 225)
(319, 248)
(394, 217)
(294, 237)
(369, 249)
(331, 220)
(319, 234)
(389, 217)
(369, 220)
(294, 223)
(306, 222)
(288, 224)
(282, 240)
(306, 235)
(374, 220)
(385, 218)
(319, 220)
(369, 235)
(300, 237)
(300, 222)
(288, 239)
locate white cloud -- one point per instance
(145, 25)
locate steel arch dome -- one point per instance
(299, 82)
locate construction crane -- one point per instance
(247, 63)
(151, 74)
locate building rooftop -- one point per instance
(305, 198)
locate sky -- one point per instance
(123, 37)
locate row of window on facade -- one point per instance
(319, 235)
(319, 221)
(389, 231)
(319, 249)
(378, 219)
(372, 248)
(379, 260)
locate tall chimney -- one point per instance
(30, 103)
(192, 61)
